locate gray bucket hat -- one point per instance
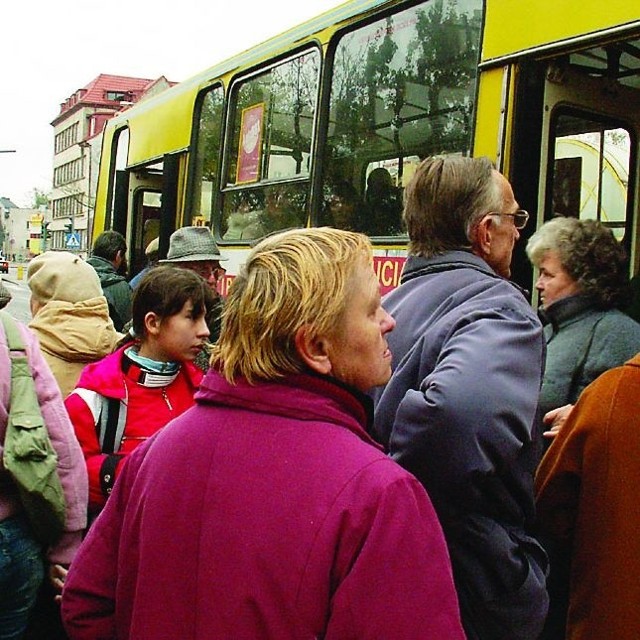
(192, 244)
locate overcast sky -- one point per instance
(52, 49)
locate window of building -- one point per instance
(68, 172)
(118, 96)
(66, 138)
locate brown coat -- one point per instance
(587, 496)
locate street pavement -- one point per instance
(18, 308)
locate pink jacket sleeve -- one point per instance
(71, 467)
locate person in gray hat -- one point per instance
(195, 249)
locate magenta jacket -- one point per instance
(264, 512)
(71, 468)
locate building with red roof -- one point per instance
(77, 140)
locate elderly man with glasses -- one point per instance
(459, 411)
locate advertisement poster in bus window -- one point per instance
(250, 144)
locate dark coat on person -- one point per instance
(587, 501)
(460, 413)
(116, 290)
(264, 512)
(582, 343)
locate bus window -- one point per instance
(403, 87)
(272, 129)
(590, 171)
(207, 170)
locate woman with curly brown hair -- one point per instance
(583, 281)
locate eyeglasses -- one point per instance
(208, 269)
(520, 217)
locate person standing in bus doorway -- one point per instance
(195, 249)
(109, 259)
(459, 411)
(151, 254)
(266, 511)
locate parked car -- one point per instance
(4, 265)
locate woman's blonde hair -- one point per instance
(292, 279)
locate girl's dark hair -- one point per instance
(164, 290)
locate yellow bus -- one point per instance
(326, 123)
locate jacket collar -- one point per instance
(566, 309)
(417, 266)
(304, 396)
(106, 376)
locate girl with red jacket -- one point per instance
(123, 399)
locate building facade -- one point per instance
(22, 231)
(77, 134)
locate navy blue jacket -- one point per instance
(460, 413)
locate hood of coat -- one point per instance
(305, 396)
(80, 332)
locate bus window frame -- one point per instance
(312, 45)
(195, 132)
(610, 122)
(113, 170)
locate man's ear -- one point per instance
(482, 236)
(152, 323)
(312, 349)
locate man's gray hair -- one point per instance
(446, 198)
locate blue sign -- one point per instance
(73, 241)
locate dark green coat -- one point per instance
(115, 289)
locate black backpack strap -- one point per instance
(111, 425)
(108, 473)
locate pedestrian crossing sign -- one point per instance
(73, 241)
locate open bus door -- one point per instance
(575, 146)
(146, 206)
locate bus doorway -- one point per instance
(576, 137)
(589, 156)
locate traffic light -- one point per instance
(68, 227)
(45, 230)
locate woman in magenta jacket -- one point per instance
(266, 511)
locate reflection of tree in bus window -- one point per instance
(343, 207)
(243, 223)
(282, 209)
(384, 204)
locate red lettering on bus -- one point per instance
(388, 271)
